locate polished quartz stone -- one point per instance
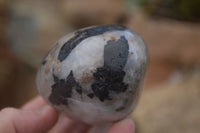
(94, 74)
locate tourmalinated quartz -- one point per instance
(94, 74)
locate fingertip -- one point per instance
(35, 103)
(66, 125)
(48, 116)
(45, 110)
(40, 120)
(130, 125)
(124, 126)
(50, 111)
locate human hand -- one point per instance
(38, 117)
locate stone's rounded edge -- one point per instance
(144, 44)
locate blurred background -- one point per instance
(170, 101)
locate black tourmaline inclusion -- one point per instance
(62, 89)
(110, 76)
(83, 34)
(45, 59)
